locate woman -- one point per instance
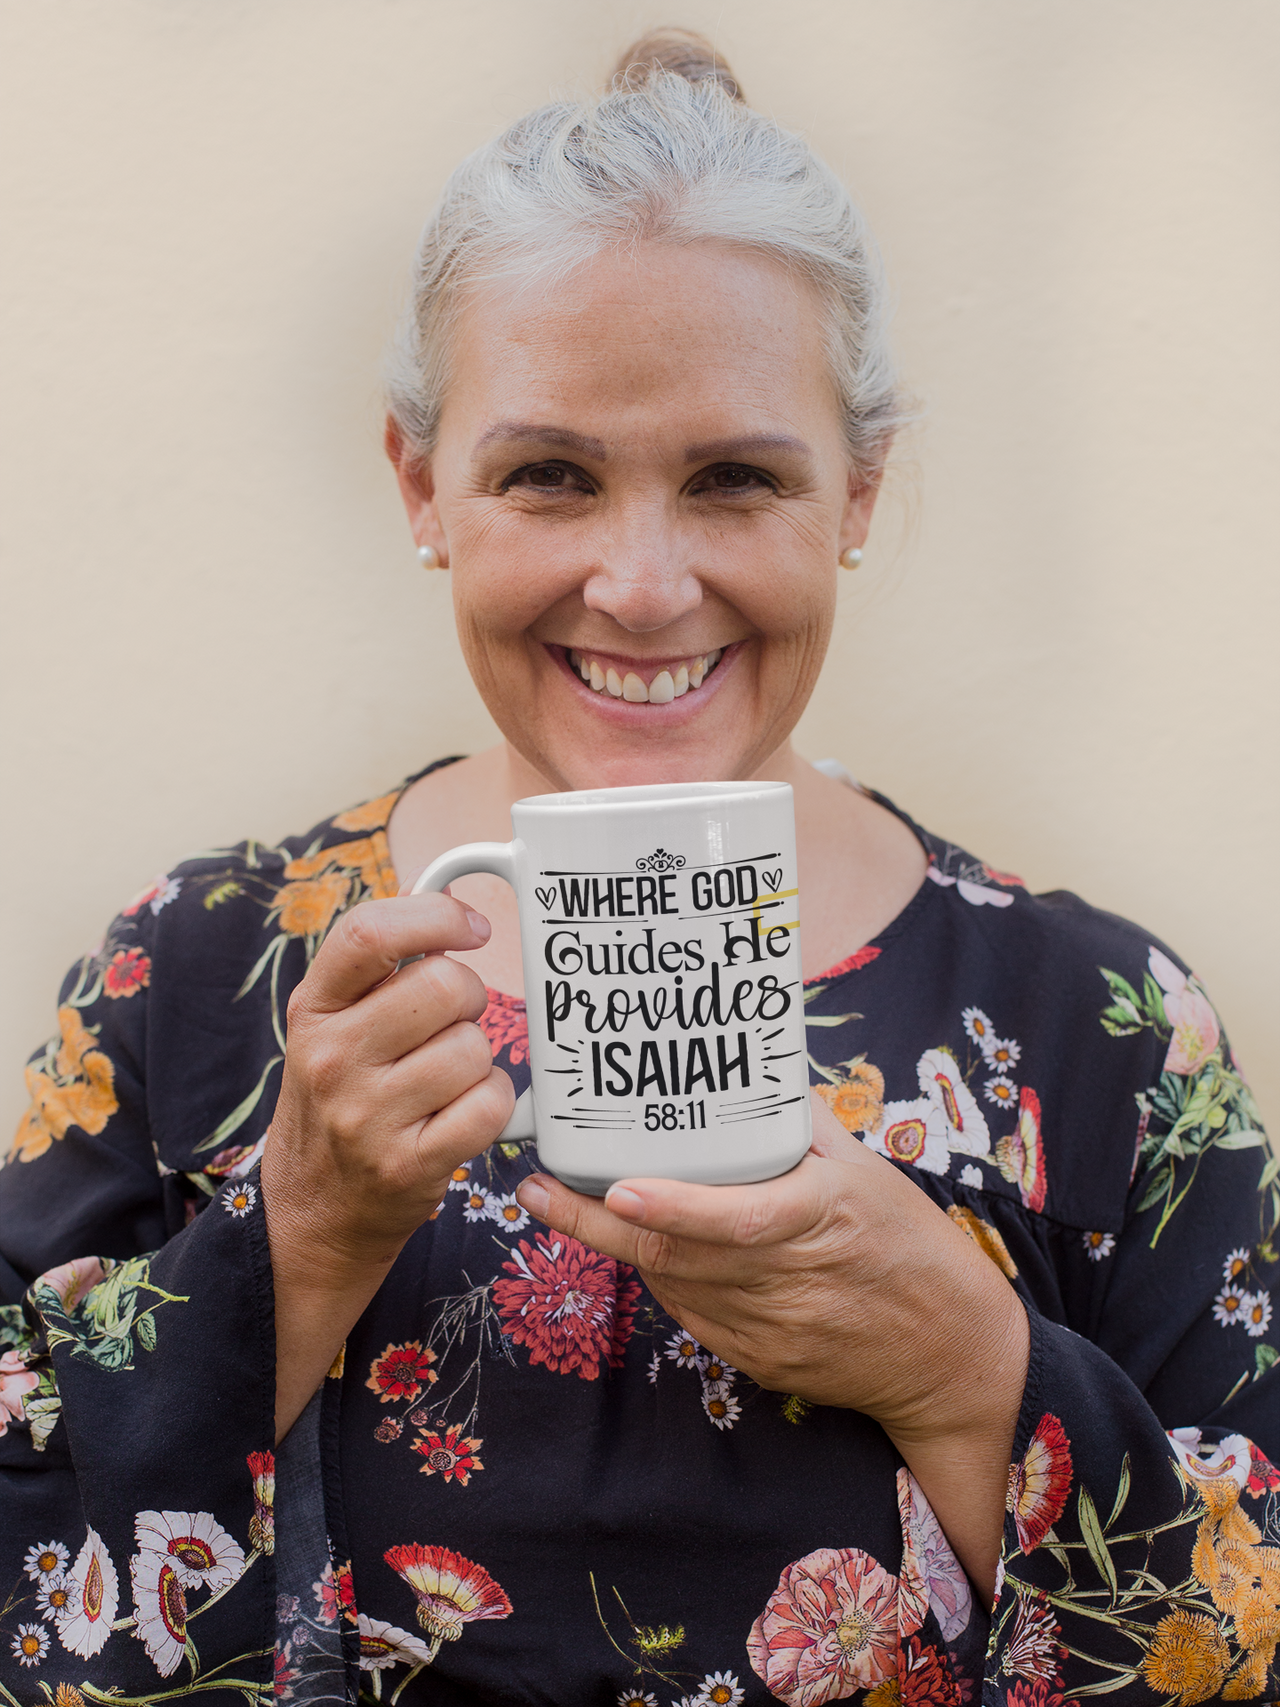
(799, 1440)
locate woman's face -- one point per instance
(641, 487)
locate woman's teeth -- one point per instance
(661, 690)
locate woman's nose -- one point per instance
(643, 584)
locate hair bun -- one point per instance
(683, 52)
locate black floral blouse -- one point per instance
(522, 1481)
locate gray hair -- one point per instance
(669, 153)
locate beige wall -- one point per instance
(215, 623)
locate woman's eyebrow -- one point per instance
(531, 432)
(738, 450)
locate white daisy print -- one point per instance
(460, 1179)
(943, 1084)
(655, 1364)
(722, 1408)
(684, 1350)
(1235, 1264)
(969, 1175)
(713, 1370)
(978, 1028)
(719, 1689)
(383, 1645)
(509, 1214)
(1228, 1306)
(636, 1698)
(160, 1610)
(914, 1132)
(476, 1208)
(86, 1625)
(48, 1559)
(1001, 1091)
(201, 1552)
(240, 1201)
(1004, 1054)
(1097, 1245)
(1255, 1313)
(30, 1645)
(55, 1597)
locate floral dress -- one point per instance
(522, 1481)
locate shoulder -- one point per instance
(1062, 1011)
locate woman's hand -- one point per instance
(843, 1283)
(389, 1085)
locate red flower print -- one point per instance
(830, 1629)
(336, 1593)
(571, 1306)
(451, 1591)
(402, 1372)
(453, 1456)
(1020, 1155)
(857, 960)
(924, 1677)
(1039, 1483)
(1007, 878)
(1263, 1475)
(505, 1022)
(128, 972)
(262, 1525)
(1035, 1695)
(1035, 1649)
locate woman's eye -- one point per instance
(548, 477)
(733, 477)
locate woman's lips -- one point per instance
(619, 708)
(657, 682)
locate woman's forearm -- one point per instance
(963, 1469)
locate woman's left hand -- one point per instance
(843, 1283)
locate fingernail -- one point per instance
(627, 1204)
(480, 925)
(532, 1195)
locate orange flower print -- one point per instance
(858, 1102)
(829, 1630)
(1188, 1658)
(127, 972)
(451, 1456)
(451, 1591)
(79, 1092)
(372, 815)
(370, 856)
(985, 1236)
(505, 1022)
(307, 908)
(1039, 1483)
(402, 1372)
(1020, 1155)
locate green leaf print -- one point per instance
(104, 1323)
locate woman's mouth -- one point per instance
(640, 684)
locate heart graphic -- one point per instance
(773, 879)
(547, 897)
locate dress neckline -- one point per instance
(864, 956)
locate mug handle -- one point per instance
(497, 858)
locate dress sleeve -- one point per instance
(1141, 1549)
(136, 1377)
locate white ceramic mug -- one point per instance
(660, 933)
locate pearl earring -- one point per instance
(851, 558)
(429, 557)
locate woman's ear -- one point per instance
(860, 501)
(417, 492)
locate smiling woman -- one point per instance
(892, 1426)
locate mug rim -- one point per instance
(650, 795)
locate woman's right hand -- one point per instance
(389, 1085)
